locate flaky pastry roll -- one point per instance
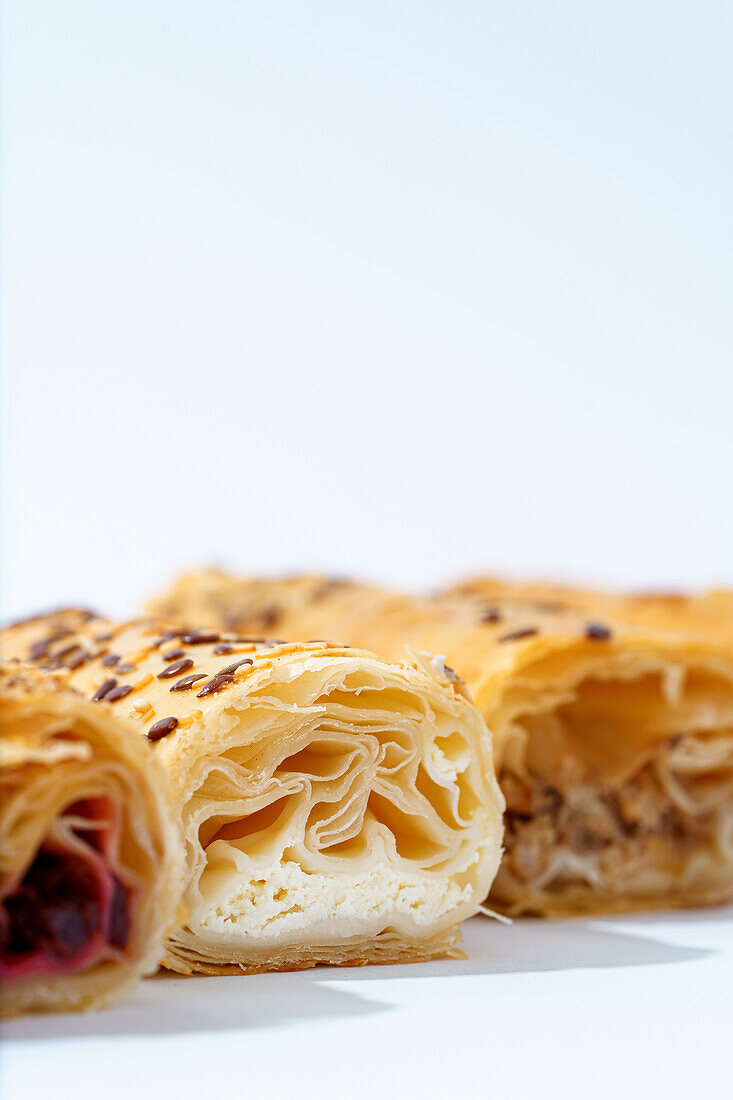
(613, 744)
(336, 808)
(90, 855)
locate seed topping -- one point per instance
(597, 631)
(175, 668)
(40, 649)
(162, 728)
(232, 668)
(167, 636)
(103, 690)
(515, 635)
(71, 657)
(216, 683)
(187, 682)
(118, 693)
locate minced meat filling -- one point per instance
(623, 825)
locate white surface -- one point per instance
(397, 289)
(616, 1008)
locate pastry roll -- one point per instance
(90, 856)
(613, 743)
(707, 614)
(336, 808)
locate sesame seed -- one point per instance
(77, 659)
(232, 668)
(515, 635)
(40, 649)
(187, 682)
(162, 728)
(103, 690)
(71, 657)
(597, 631)
(174, 669)
(167, 636)
(118, 693)
(216, 683)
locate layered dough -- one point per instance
(336, 808)
(613, 743)
(90, 855)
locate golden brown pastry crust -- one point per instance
(56, 750)
(259, 738)
(707, 614)
(636, 715)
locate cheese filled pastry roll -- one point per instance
(707, 614)
(90, 856)
(613, 744)
(336, 807)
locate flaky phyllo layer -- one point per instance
(342, 809)
(335, 807)
(89, 854)
(618, 778)
(339, 811)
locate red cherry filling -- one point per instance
(118, 929)
(65, 912)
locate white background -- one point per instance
(397, 289)
(560, 1010)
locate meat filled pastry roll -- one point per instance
(613, 744)
(336, 808)
(90, 856)
(707, 614)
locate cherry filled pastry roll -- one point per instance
(90, 856)
(336, 807)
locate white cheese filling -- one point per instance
(286, 903)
